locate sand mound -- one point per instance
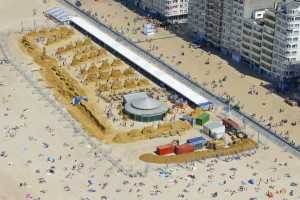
(245, 145)
(150, 132)
(116, 62)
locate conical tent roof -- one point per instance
(146, 104)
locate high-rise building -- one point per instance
(257, 40)
(262, 33)
(204, 19)
(286, 52)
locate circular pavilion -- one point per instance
(145, 109)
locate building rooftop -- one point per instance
(145, 103)
(140, 104)
(289, 5)
(131, 96)
(213, 125)
(251, 5)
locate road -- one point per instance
(217, 100)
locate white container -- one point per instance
(215, 130)
(217, 134)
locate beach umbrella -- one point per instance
(270, 194)
(51, 159)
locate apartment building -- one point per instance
(257, 40)
(235, 13)
(220, 21)
(172, 11)
(270, 44)
(286, 52)
(205, 20)
(262, 33)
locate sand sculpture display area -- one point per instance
(74, 66)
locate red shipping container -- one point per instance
(184, 148)
(165, 149)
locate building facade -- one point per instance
(172, 11)
(286, 52)
(263, 34)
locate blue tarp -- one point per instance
(197, 140)
(77, 100)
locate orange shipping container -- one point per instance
(165, 149)
(185, 148)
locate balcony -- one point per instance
(255, 51)
(268, 39)
(267, 53)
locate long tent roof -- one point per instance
(140, 61)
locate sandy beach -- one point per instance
(44, 154)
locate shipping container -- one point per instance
(217, 134)
(199, 144)
(215, 129)
(195, 139)
(165, 149)
(231, 125)
(202, 119)
(184, 148)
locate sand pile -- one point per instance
(116, 85)
(104, 76)
(87, 55)
(79, 44)
(197, 112)
(91, 74)
(163, 130)
(181, 126)
(103, 88)
(116, 74)
(56, 35)
(245, 145)
(116, 62)
(130, 84)
(129, 72)
(143, 82)
(65, 88)
(105, 66)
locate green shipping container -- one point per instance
(202, 119)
